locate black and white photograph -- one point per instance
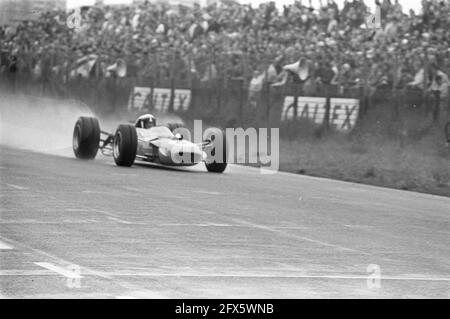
(224, 154)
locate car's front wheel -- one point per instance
(125, 145)
(86, 138)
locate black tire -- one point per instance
(212, 165)
(86, 138)
(125, 145)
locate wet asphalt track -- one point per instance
(147, 232)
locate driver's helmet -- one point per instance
(146, 121)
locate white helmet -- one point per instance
(146, 121)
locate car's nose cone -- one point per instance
(183, 155)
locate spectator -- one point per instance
(228, 40)
(439, 85)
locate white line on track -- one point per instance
(272, 229)
(86, 270)
(60, 270)
(149, 294)
(120, 221)
(170, 200)
(356, 226)
(96, 192)
(197, 225)
(25, 247)
(274, 275)
(103, 212)
(207, 192)
(278, 231)
(133, 189)
(27, 195)
(76, 210)
(38, 222)
(25, 272)
(5, 246)
(115, 217)
(228, 225)
(170, 196)
(18, 187)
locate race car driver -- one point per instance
(146, 121)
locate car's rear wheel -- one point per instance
(216, 160)
(86, 137)
(125, 145)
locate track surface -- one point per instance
(148, 232)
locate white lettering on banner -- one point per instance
(182, 100)
(159, 99)
(312, 108)
(288, 109)
(343, 113)
(139, 98)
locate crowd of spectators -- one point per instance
(228, 40)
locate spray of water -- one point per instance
(39, 124)
(46, 125)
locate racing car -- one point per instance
(146, 141)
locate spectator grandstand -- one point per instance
(228, 41)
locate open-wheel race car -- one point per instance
(148, 142)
